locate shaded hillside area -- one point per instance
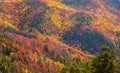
(88, 40)
(114, 3)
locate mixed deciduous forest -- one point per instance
(59, 36)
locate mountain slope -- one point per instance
(31, 52)
(56, 17)
(45, 35)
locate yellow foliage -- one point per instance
(56, 19)
(59, 5)
(56, 37)
(41, 37)
(13, 0)
(48, 14)
(25, 71)
(11, 53)
(25, 8)
(105, 24)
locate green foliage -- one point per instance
(1, 38)
(48, 12)
(46, 48)
(118, 64)
(6, 51)
(36, 10)
(8, 25)
(37, 19)
(6, 66)
(75, 68)
(90, 40)
(81, 18)
(104, 62)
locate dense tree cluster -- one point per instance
(88, 39)
(104, 62)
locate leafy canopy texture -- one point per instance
(104, 62)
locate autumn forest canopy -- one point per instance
(59, 36)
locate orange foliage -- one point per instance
(4, 45)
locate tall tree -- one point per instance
(104, 62)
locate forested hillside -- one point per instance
(47, 36)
